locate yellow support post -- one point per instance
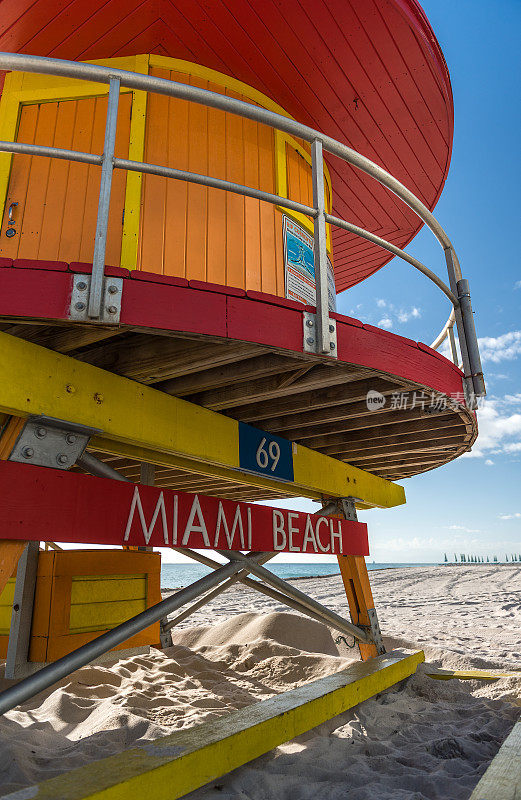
(175, 765)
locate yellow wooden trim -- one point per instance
(34, 380)
(9, 115)
(136, 152)
(502, 780)
(473, 674)
(107, 588)
(282, 140)
(198, 71)
(174, 765)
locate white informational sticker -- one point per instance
(299, 266)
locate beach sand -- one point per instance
(419, 740)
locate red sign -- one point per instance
(37, 503)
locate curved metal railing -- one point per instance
(457, 291)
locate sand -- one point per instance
(420, 740)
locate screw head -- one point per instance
(40, 433)
(310, 340)
(98, 397)
(80, 306)
(309, 323)
(70, 389)
(28, 452)
(81, 286)
(61, 458)
(332, 345)
(70, 438)
(112, 309)
(331, 328)
(112, 289)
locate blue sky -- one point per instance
(474, 504)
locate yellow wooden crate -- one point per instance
(80, 594)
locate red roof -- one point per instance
(370, 73)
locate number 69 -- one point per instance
(262, 457)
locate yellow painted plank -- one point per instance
(6, 607)
(34, 380)
(107, 588)
(170, 767)
(86, 617)
(473, 674)
(502, 780)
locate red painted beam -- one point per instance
(41, 504)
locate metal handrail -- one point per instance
(458, 293)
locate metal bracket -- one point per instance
(341, 505)
(112, 291)
(311, 344)
(48, 442)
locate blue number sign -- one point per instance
(264, 453)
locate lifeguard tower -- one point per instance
(185, 189)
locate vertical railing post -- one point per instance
(320, 249)
(107, 168)
(452, 344)
(454, 273)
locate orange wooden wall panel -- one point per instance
(57, 200)
(196, 232)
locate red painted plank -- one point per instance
(153, 277)
(32, 263)
(275, 300)
(174, 308)
(35, 293)
(85, 267)
(266, 324)
(217, 288)
(42, 504)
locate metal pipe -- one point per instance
(452, 344)
(273, 594)
(471, 339)
(334, 619)
(102, 223)
(371, 237)
(462, 336)
(88, 652)
(169, 624)
(50, 152)
(214, 183)
(320, 249)
(149, 83)
(443, 333)
(91, 464)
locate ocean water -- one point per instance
(175, 576)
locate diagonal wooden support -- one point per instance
(175, 765)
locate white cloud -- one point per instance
(500, 348)
(386, 323)
(489, 462)
(381, 303)
(499, 424)
(405, 316)
(517, 285)
(463, 528)
(515, 515)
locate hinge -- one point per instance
(311, 344)
(110, 301)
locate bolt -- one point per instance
(70, 389)
(80, 306)
(62, 458)
(28, 452)
(112, 309)
(98, 397)
(309, 323)
(81, 286)
(331, 328)
(332, 345)
(40, 433)
(70, 438)
(112, 289)
(310, 340)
